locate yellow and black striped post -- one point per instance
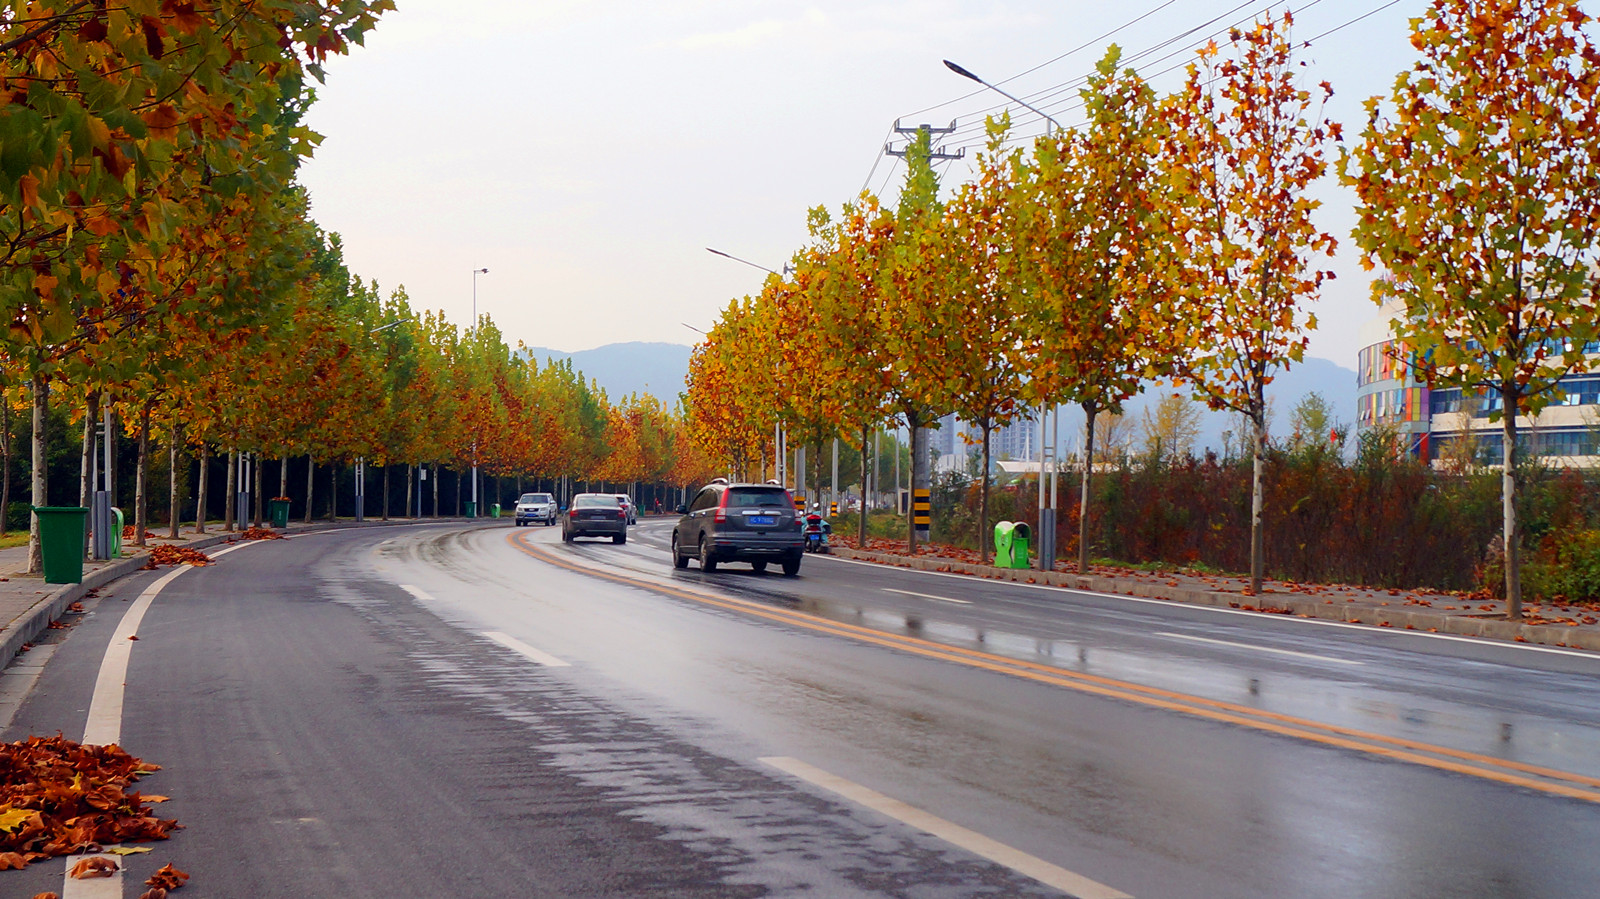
(799, 502)
(922, 511)
(833, 509)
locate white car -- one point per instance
(540, 507)
(629, 507)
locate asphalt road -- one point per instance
(437, 711)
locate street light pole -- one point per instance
(475, 273)
(1047, 514)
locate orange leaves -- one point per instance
(166, 554)
(163, 121)
(90, 868)
(59, 797)
(167, 878)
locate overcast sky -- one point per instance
(587, 152)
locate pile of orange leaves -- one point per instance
(259, 534)
(166, 554)
(61, 797)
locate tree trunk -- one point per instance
(311, 480)
(283, 477)
(333, 491)
(230, 483)
(1508, 502)
(201, 494)
(458, 494)
(86, 462)
(1090, 411)
(983, 500)
(435, 471)
(5, 453)
(37, 489)
(141, 479)
(861, 538)
(411, 500)
(1258, 561)
(172, 484)
(386, 491)
(86, 455)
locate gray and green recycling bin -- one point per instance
(280, 513)
(494, 510)
(61, 530)
(472, 508)
(1021, 540)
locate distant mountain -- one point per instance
(657, 369)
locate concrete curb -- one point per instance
(34, 621)
(1279, 603)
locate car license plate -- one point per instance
(762, 521)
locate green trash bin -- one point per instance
(280, 513)
(494, 510)
(61, 531)
(472, 508)
(1004, 534)
(116, 532)
(1021, 537)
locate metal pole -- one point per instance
(833, 485)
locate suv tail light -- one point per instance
(721, 514)
(622, 514)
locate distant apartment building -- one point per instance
(1433, 423)
(1016, 441)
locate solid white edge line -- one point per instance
(417, 592)
(952, 833)
(1272, 649)
(964, 602)
(537, 655)
(1257, 616)
(104, 724)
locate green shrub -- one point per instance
(1566, 566)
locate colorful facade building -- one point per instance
(1445, 424)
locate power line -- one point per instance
(1045, 97)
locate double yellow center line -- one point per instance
(1533, 777)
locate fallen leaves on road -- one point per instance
(93, 867)
(131, 850)
(46, 896)
(168, 878)
(259, 534)
(166, 554)
(60, 797)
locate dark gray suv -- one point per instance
(753, 523)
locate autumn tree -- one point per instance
(1089, 209)
(971, 323)
(1240, 150)
(1479, 187)
(1169, 429)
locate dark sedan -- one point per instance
(595, 515)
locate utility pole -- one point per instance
(936, 154)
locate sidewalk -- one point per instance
(28, 604)
(1564, 625)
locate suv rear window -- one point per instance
(745, 497)
(595, 501)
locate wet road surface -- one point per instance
(422, 711)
